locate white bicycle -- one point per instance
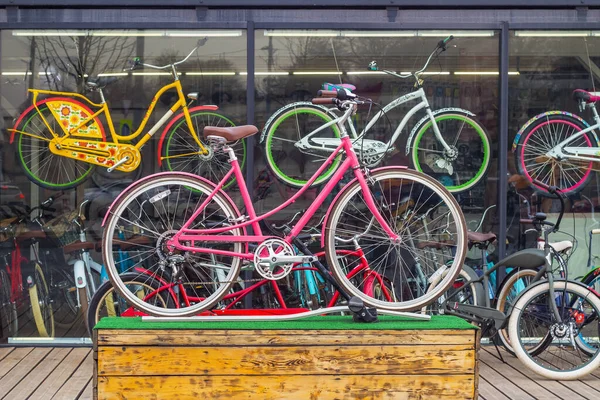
(448, 144)
(559, 148)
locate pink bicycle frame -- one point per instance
(212, 235)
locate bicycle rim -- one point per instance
(181, 152)
(467, 138)
(427, 246)
(149, 214)
(569, 175)
(40, 164)
(292, 165)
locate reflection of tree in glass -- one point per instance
(296, 54)
(212, 89)
(66, 60)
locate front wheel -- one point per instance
(431, 230)
(533, 321)
(143, 220)
(464, 290)
(463, 165)
(180, 152)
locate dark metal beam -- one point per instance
(503, 149)
(308, 3)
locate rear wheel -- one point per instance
(41, 303)
(542, 136)
(147, 216)
(513, 285)
(292, 164)
(43, 167)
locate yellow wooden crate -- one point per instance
(209, 362)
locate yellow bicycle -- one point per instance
(60, 139)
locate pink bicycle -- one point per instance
(406, 224)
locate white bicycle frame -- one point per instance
(330, 144)
(578, 153)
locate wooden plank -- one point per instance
(13, 359)
(77, 382)
(4, 351)
(16, 374)
(559, 389)
(516, 376)
(87, 392)
(60, 374)
(312, 360)
(287, 387)
(36, 376)
(108, 337)
(591, 380)
(496, 380)
(488, 391)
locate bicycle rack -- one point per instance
(287, 317)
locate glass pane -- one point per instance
(461, 86)
(72, 72)
(545, 118)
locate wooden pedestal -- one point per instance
(210, 363)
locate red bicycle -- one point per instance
(268, 297)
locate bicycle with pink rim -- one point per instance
(197, 238)
(559, 148)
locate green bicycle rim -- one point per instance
(213, 114)
(486, 150)
(282, 176)
(41, 182)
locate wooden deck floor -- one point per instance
(46, 373)
(66, 373)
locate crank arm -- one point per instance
(291, 259)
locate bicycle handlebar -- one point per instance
(442, 43)
(137, 61)
(559, 195)
(440, 47)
